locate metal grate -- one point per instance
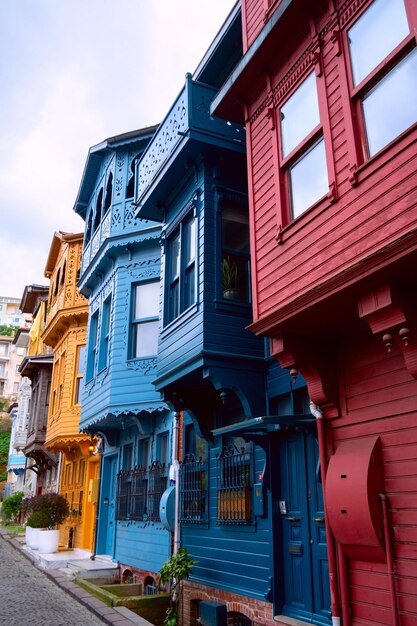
(234, 497)
(193, 490)
(238, 619)
(157, 483)
(139, 493)
(122, 495)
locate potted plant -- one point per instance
(229, 279)
(50, 510)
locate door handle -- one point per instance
(293, 519)
(320, 520)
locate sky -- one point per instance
(72, 73)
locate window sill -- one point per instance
(307, 216)
(385, 155)
(180, 320)
(233, 306)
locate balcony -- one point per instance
(19, 440)
(188, 118)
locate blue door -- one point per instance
(107, 522)
(305, 578)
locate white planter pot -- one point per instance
(32, 537)
(28, 535)
(48, 541)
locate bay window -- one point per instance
(383, 69)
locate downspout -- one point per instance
(334, 586)
(390, 560)
(174, 475)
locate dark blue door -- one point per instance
(305, 569)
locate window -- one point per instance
(104, 335)
(145, 315)
(130, 188)
(4, 349)
(235, 253)
(181, 268)
(79, 376)
(234, 494)
(92, 346)
(193, 489)
(302, 147)
(157, 483)
(15, 387)
(383, 65)
(59, 371)
(97, 214)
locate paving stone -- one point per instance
(29, 595)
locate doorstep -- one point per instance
(283, 620)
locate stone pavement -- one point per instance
(35, 597)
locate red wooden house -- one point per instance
(328, 93)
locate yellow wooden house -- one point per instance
(65, 332)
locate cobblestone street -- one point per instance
(27, 596)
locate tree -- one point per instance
(8, 330)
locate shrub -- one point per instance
(175, 569)
(12, 506)
(38, 519)
(53, 509)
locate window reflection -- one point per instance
(308, 179)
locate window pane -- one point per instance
(235, 229)
(175, 249)
(146, 339)
(174, 301)
(189, 287)
(190, 242)
(147, 300)
(376, 33)
(308, 179)
(81, 359)
(299, 115)
(391, 107)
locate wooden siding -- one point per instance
(379, 399)
(233, 558)
(254, 12)
(331, 239)
(142, 545)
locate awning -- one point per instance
(267, 424)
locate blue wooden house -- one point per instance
(120, 274)
(237, 478)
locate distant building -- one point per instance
(11, 357)
(10, 313)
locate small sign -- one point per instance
(283, 507)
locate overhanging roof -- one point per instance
(266, 424)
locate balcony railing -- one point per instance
(190, 112)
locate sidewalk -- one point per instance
(52, 565)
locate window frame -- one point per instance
(136, 322)
(179, 229)
(322, 129)
(103, 350)
(78, 374)
(92, 347)
(374, 78)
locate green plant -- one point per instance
(229, 274)
(175, 569)
(38, 519)
(12, 506)
(52, 508)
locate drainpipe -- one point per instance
(174, 474)
(390, 560)
(334, 587)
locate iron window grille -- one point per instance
(234, 494)
(122, 495)
(238, 619)
(193, 490)
(157, 483)
(139, 492)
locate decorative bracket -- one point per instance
(316, 362)
(391, 312)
